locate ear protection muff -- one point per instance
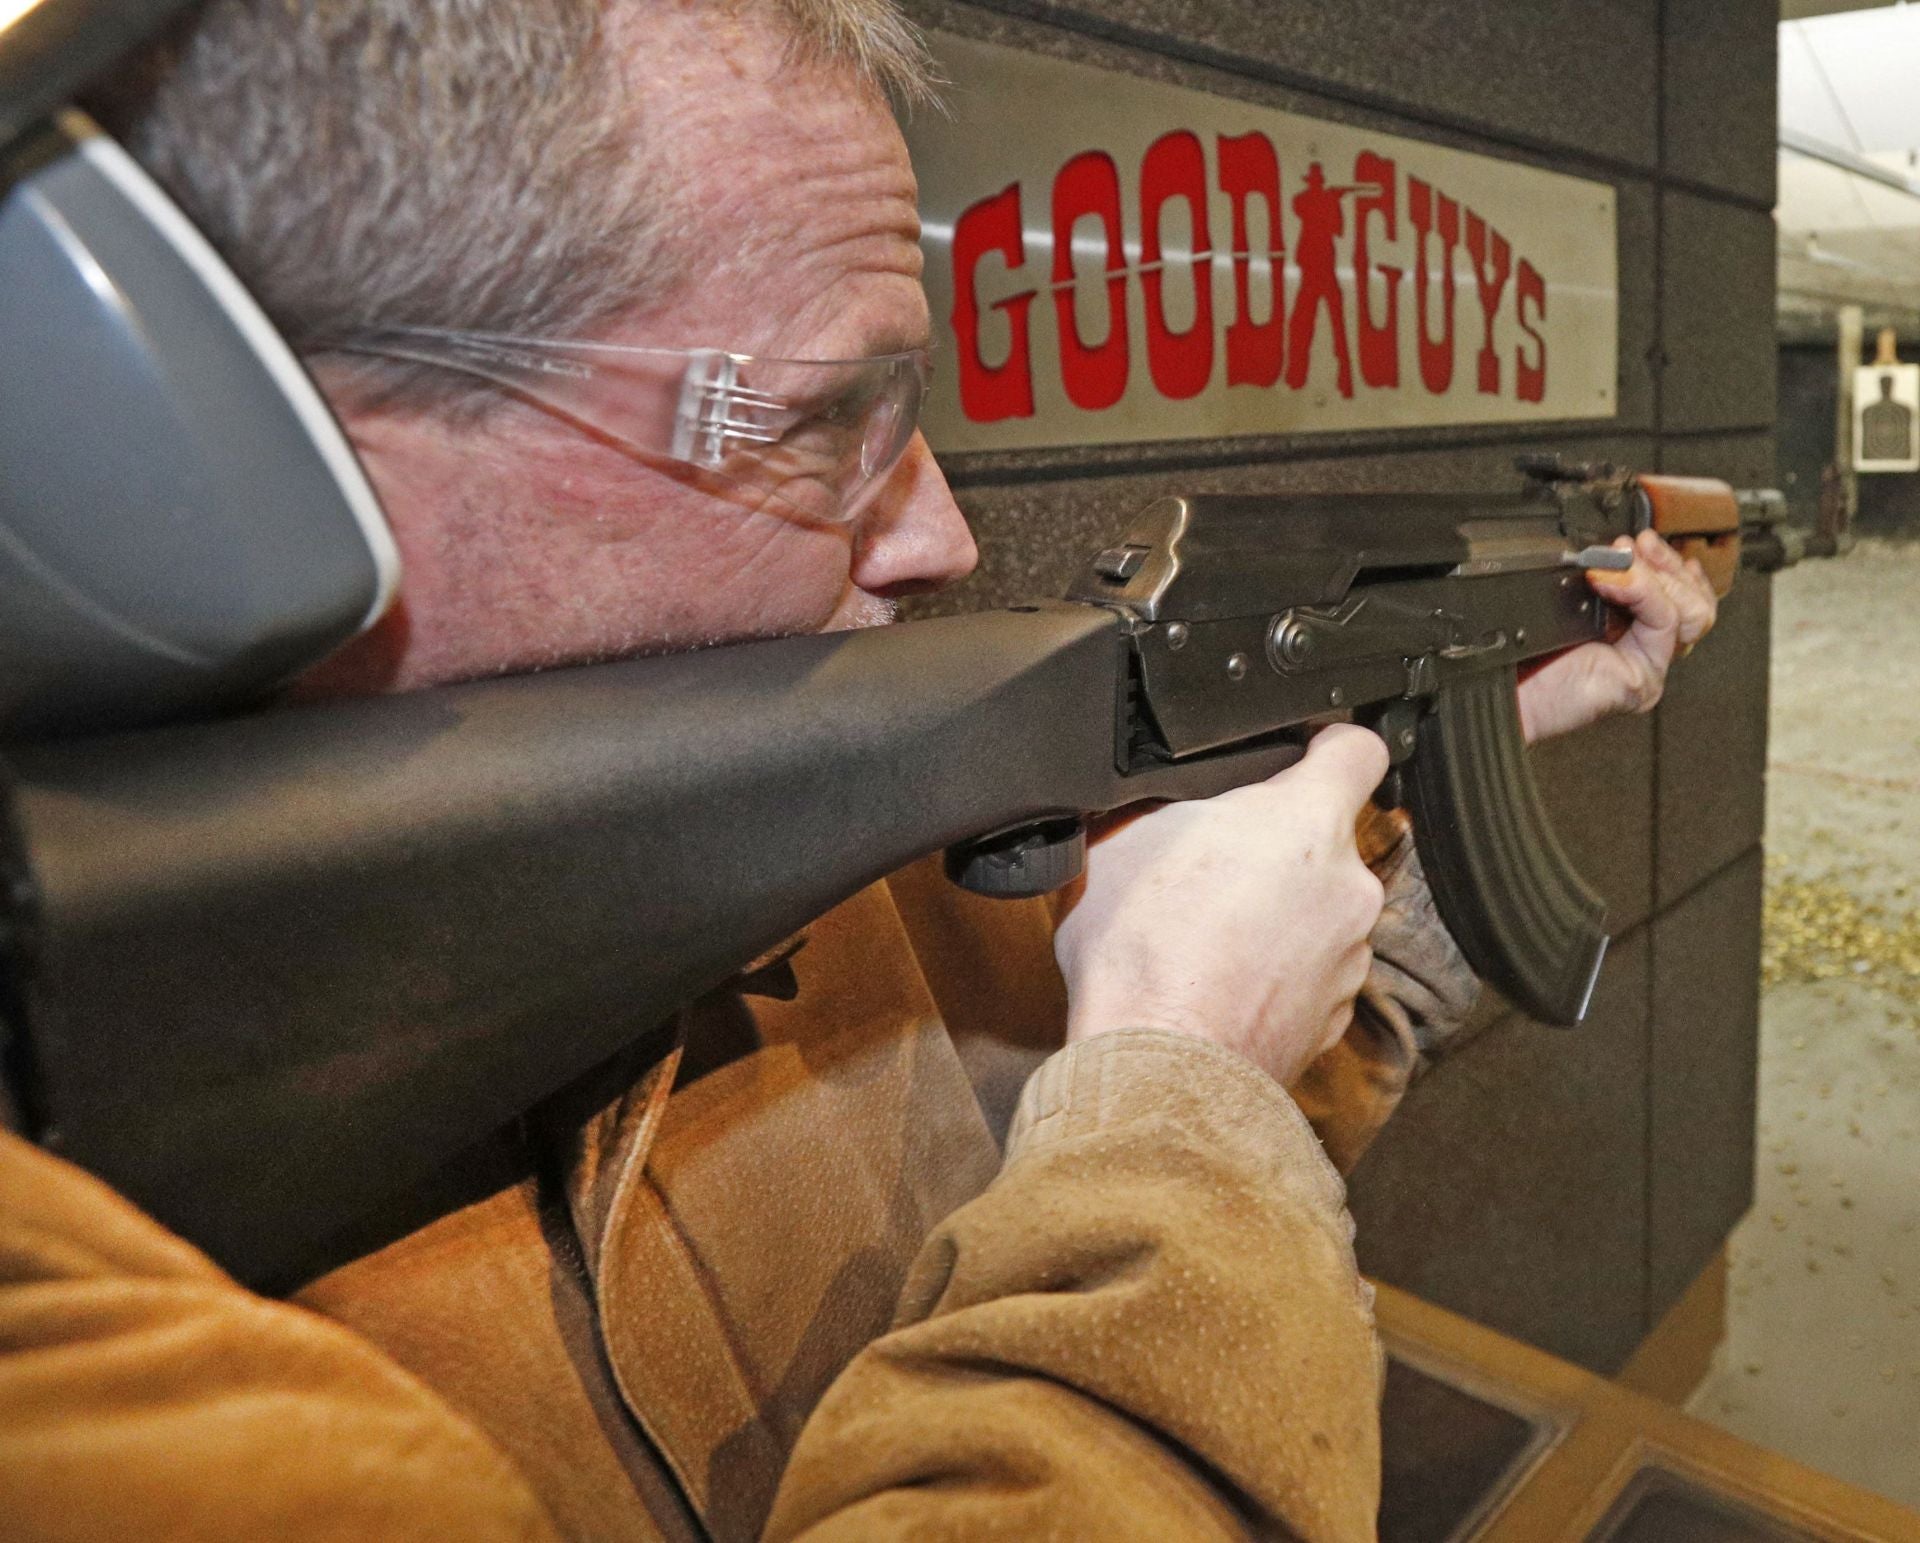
(182, 523)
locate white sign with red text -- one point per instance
(1111, 260)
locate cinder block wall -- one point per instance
(1564, 1187)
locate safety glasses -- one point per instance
(818, 435)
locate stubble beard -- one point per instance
(864, 611)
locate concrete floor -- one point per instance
(1822, 1356)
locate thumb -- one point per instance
(1344, 763)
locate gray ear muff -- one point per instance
(182, 523)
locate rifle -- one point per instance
(261, 973)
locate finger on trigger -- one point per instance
(1344, 760)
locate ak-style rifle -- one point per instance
(263, 971)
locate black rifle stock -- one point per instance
(261, 973)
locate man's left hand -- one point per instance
(1672, 606)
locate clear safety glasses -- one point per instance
(819, 435)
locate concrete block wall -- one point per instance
(1564, 1187)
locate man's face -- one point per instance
(528, 542)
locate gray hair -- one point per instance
(434, 163)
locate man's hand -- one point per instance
(1672, 606)
(1241, 919)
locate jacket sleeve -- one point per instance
(144, 1394)
(1150, 1325)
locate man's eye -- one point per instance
(812, 448)
(846, 407)
(819, 432)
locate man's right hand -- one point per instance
(1241, 919)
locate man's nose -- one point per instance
(912, 537)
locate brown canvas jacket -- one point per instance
(794, 1260)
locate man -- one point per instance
(769, 1249)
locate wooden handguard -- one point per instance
(1700, 517)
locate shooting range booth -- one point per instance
(1109, 208)
(1563, 1187)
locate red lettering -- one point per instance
(1248, 170)
(1436, 358)
(1095, 376)
(989, 393)
(1530, 380)
(1491, 286)
(1321, 221)
(1180, 362)
(1379, 341)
